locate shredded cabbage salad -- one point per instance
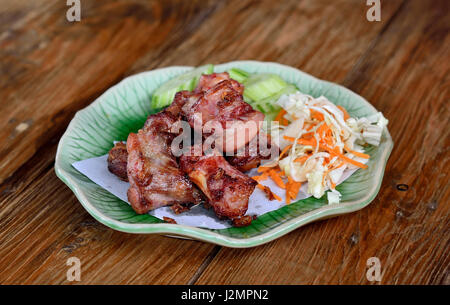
(318, 141)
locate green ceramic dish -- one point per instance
(124, 108)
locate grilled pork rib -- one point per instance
(154, 175)
(217, 107)
(258, 149)
(208, 81)
(227, 189)
(117, 161)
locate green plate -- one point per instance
(123, 109)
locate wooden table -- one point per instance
(50, 68)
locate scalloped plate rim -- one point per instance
(206, 235)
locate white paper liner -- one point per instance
(96, 169)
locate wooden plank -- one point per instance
(320, 37)
(36, 174)
(43, 225)
(405, 74)
(50, 68)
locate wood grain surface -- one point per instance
(51, 68)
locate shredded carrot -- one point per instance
(334, 151)
(301, 159)
(333, 167)
(311, 142)
(307, 135)
(285, 150)
(299, 141)
(328, 140)
(292, 189)
(280, 115)
(262, 177)
(322, 130)
(276, 177)
(280, 118)
(317, 115)
(291, 139)
(288, 198)
(295, 188)
(351, 161)
(341, 163)
(309, 127)
(262, 169)
(288, 193)
(346, 115)
(358, 154)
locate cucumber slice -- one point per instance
(164, 95)
(268, 105)
(261, 86)
(238, 74)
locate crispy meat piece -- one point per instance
(243, 221)
(183, 100)
(169, 220)
(222, 102)
(155, 177)
(217, 106)
(226, 188)
(179, 208)
(153, 172)
(208, 81)
(258, 149)
(267, 191)
(117, 161)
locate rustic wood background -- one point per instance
(50, 68)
